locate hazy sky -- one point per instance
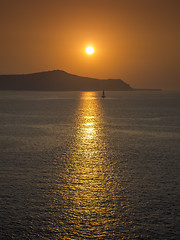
(135, 40)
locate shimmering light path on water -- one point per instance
(90, 202)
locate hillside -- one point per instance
(59, 80)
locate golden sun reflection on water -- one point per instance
(89, 196)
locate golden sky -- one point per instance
(135, 40)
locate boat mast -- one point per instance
(103, 95)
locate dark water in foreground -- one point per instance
(76, 166)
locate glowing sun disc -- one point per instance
(89, 50)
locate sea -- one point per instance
(74, 165)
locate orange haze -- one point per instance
(137, 41)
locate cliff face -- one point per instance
(59, 81)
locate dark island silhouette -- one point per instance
(59, 80)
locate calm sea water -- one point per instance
(76, 166)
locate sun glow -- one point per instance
(90, 50)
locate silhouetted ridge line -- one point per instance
(58, 80)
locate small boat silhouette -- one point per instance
(103, 94)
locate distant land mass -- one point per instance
(59, 80)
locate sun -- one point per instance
(90, 50)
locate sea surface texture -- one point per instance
(74, 165)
